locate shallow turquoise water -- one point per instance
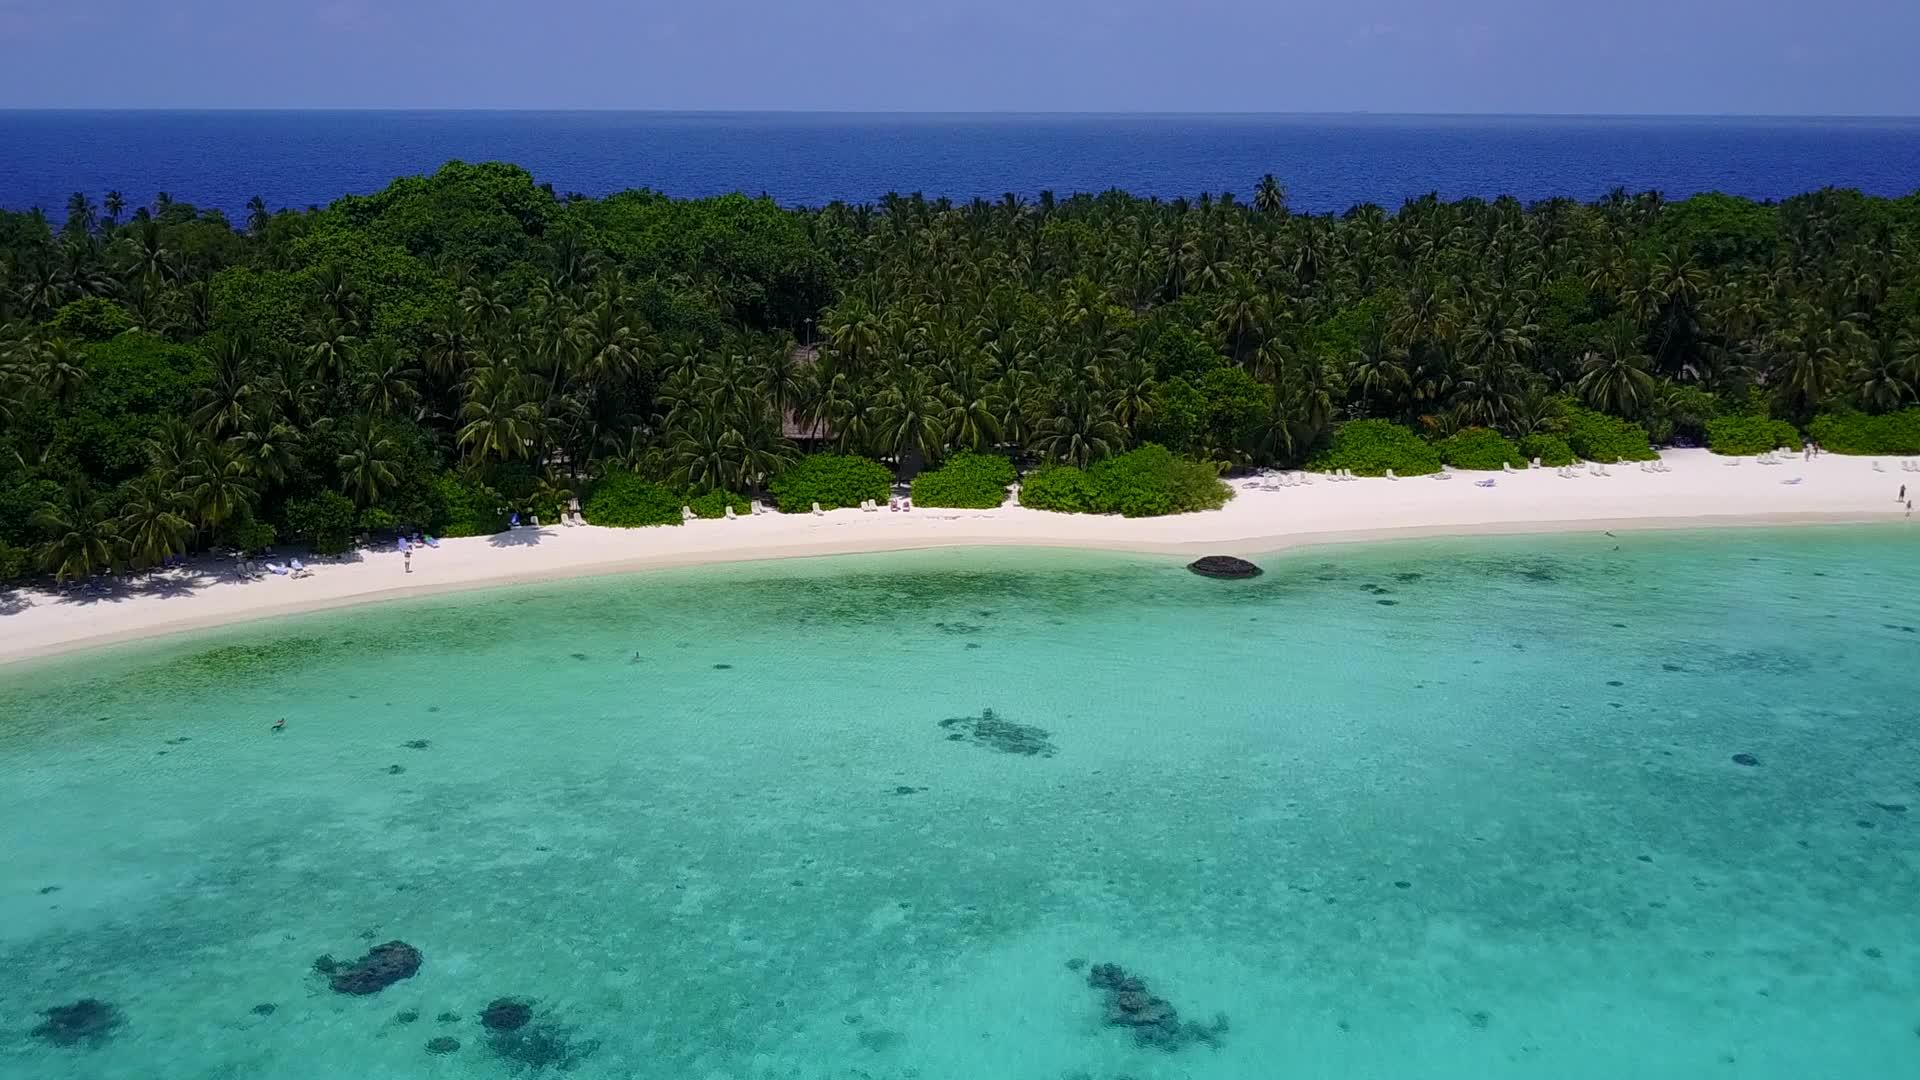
(1451, 810)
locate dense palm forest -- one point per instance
(470, 343)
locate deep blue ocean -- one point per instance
(220, 159)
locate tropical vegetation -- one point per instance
(472, 343)
(967, 480)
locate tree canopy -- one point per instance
(470, 342)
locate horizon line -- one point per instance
(1142, 113)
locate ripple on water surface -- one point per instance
(1565, 807)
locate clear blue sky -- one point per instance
(1625, 56)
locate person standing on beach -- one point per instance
(407, 555)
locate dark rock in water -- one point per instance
(396, 770)
(49, 890)
(996, 733)
(723, 667)
(1387, 603)
(265, 1008)
(1891, 808)
(383, 966)
(1154, 1021)
(905, 790)
(1223, 566)
(1076, 964)
(1746, 759)
(406, 1016)
(442, 1045)
(448, 1018)
(325, 964)
(416, 744)
(88, 1021)
(506, 1014)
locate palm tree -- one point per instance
(386, 384)
(60, 369)
(497, 418)
(1615, 377)
(145, 254)
(331, 352)
(266, 444)
(1889, 377)
(1081, 430)
(81, 215)
(82, 539)
(370, 466)
(216, 485)
(221, 404)
(912, 415)
(1812, 361)
(258, 217)
(150, 521)
(1269, 197)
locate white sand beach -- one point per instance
(1701, 490)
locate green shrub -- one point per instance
(1858, 433)
(14, 562)
(1606, 439)
(1739, 435)
(1062, 488)
(92, 318)
(624, 500)
(1552, 450)
(324, 520)
(464, 509)
(714, 504)
(1371, 447)
(1478, 448)
(1147, 482)
(967, 480)
(255, 537)
(832, 480)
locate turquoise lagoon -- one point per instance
(1461, 809)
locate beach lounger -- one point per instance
(276, 569)
(299, 568)
(1390, 475)
(513, 520)
(730, 514)
(1877, 468)
(817, 512)
(686, 513)
(1484, 483)
(1507, 466)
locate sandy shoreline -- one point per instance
(1701, 491)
